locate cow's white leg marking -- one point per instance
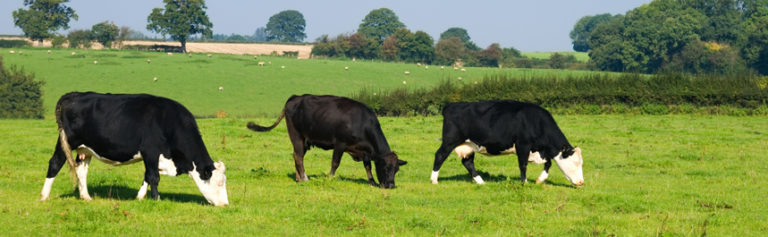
(82, 174)
(478, 179)
(166, 166)
(46, 189)
(142, 191)
(542, 177)
(433, 177)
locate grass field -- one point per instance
(580, 56)
(247, 88)
(645, 176)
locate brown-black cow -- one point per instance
(341, 124)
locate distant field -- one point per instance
(248, 89)
(645, 176)
(581, 57)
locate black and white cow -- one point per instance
(341, 124)
(503, 127)
(121, 129)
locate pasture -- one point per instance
(248, 89)
(645, 175)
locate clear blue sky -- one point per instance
(541, 25)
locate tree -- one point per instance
(286, 26)
(105, 33)
(20, 94)
(389, 49)
(450, 50)
(260, 35)
(80, 38)
(363, 47)
(43, 18)
(460, 33)
(755, 40)
(585, 25)
(122, 36)
(180, 19)
(379, 24)
(491, 56)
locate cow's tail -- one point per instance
(255, 127)
(65, 145)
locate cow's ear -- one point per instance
(401, 162)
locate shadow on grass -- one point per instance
(499, 178)
(124, 193)
(292, 175)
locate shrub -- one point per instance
(58, 41)
(80, 38)
(13, 43)
(20, 94)
(594, 94)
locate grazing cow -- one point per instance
(341, 124)
(121, 129)
(503, 127)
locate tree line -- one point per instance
(693, 36)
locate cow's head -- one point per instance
(571, 166)
(214, 189)
(386, 168)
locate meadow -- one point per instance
(645, 175)
(248, 89)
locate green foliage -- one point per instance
(43, 17)
(4, 43)
(583, 28)
(379, 24)
(20, 95)
(561, 61)
(412, 47)
(591, 94)
(58, 41)
(450, 50)
(362, 47)
(491, 56)
(286, 26)
(180, 19)
(105, 33)
(462, 34)
(80, 39)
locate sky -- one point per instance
(541, 25)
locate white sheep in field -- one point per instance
(463, 70)
(261, 64)
(426, 67)
(346, 68)
(149, 61)
(442, 67)
(418, 64)
(73, 53)
(459, 78)
(403, 82)
(455, 68)
(221, 88)
(170, 54)
(154, 79)
(210, 55)
(95, 62)
(12, 52)
(283, 67)
(407, 73)
(49, 51)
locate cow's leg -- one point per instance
(151, 173)
(367, 164)
(54, 166)
(469, 163)
(440, 155)
(338, 151)
(544, 174)
(298, 160)
(81, 170)
(523, 151)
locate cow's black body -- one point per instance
(498, 126)
(118, 126)
(341, 124)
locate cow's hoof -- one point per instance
(539, 181)
(87, 199)
(478, 180)
(434, 181)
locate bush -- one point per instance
(13, 43)
(594, 94)
(20, 94)
(80, 38)
(58, 41)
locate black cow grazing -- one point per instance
(341, 124)
(122, 129)
(502, 127)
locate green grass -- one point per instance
(248, 89)
(645, 176)
(580, 56)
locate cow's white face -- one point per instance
(215, 189)
(571, 166)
